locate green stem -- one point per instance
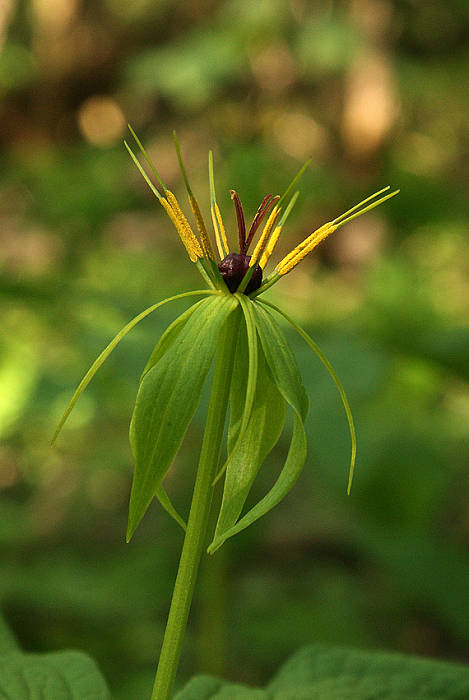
(199, 514)
(212, 602)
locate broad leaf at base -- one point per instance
(323, 673)
(65, 675)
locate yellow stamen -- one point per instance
(204, 239)
(182, 226)
(301, 251)
(262, 243)
(220, 235)
(222, 229)
(270, 246)
(278, 228)
(301, 247)
(221, 252)
(199, 219)
(292, 259)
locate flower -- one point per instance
(242, 272)
(255, 371)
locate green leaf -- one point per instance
(260, 436)
(322, 673)
(248, 311)
(344, 673)
(287, 380)
(290, 472)
(67, 675)
(343, 396)
(281, 361)
(167, 398)
(206, 688)
(107, 351)
(169, 337)
(251, 373)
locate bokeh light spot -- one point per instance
(101, 121)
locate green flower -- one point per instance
(259, 378)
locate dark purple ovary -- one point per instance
(234, 267)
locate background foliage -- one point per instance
(376, 92)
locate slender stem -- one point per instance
(210, 641)
(199, 514)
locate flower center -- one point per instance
(234, 267)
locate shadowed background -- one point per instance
(376, 93)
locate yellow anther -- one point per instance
(204, 239)
(220, 235)
(182, 226)
(270, 246)
(276, 231)
(292, 259)
(301, 246)
(303, 249)
(222, 229)
(199, 219)
(221, 252)
(263, 240)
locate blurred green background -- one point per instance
(376, 92)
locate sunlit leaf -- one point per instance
(169, 336)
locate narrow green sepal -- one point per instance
(211, 179)
(147, 157)
(181, 164)
(343, 396)
(294, 181)
(107, 351)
